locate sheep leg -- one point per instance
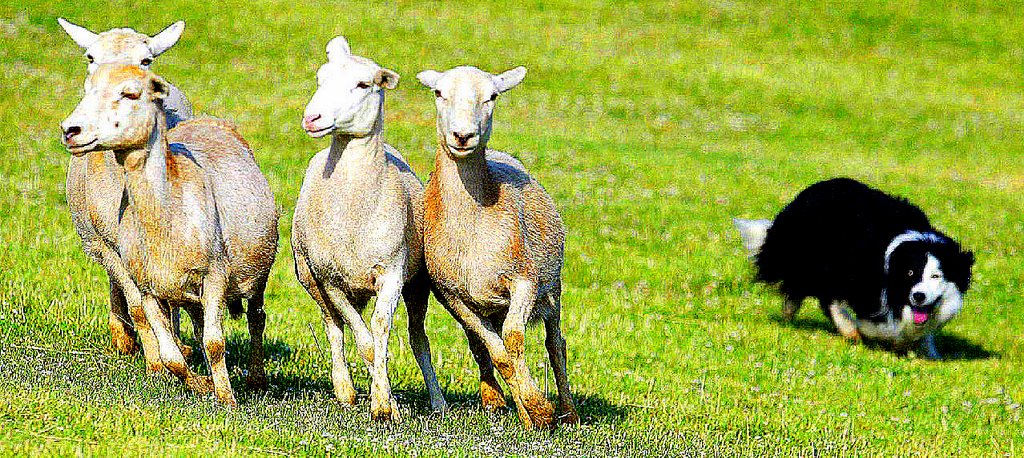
(256, 318)
(531, 400)
(175, 309)
(555, 344)
(170, 353)
(213, 337)
(115, 269)
(491, 394)
(341, 379)
(122, 333)
(383, 406)
(506, 352)
(416, 294)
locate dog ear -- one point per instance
(965, 260)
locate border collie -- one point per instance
(855, 247)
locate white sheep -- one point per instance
(357, 230)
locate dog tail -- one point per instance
(753, 232)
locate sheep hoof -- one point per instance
(124, 343)
(568, 417)
(257, 380)
(200, 384)
(492, 396)
(387, 412)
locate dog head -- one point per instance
(925, 277)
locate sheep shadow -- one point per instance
(951, 347)
(590, 408)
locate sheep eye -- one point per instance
(146, 62)
(493, 97)
(362, 85)
(437, 93)
(130, 95)
(89, 56)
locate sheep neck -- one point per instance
(357, 159)
(468, 180)
(146, 176)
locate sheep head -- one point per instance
(349, 98)
(122, 46)
(119, 111)
(465, 99)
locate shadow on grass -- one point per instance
(952, 348)
(591, 409)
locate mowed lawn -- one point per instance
(651, 125)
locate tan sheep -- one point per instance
(192, 231)
(493, 242)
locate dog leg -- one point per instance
(790, 307)
(928, 347)
(845, 323)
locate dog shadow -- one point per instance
(951, 347)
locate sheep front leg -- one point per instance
(513, 333)
(119, 274)
(213, 337)
(341, 379)
(383, 406)
(170, 353)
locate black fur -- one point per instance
(830, 243)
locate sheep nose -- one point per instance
(918, 297)
(308, 120)
(70, 132)
(463, 138)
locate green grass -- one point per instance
(651, 125)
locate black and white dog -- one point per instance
(854, 247)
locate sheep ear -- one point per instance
(338, 47)
(82, 36)
(429, 78)
(510, 79)
(166, 38)
(386, 79)
(159, 87)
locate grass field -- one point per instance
(651, 125)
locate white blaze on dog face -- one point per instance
(117, 112)
(349, 95)
(933, 283)
(465, 98)
(122, 46)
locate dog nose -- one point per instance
(918, 297)
(70, 132)
(308, 120)
(463, 138)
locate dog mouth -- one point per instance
(920, 315)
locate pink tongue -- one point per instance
(920, 317)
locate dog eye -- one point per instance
(910, 274)
(936, 276)
(362, 85)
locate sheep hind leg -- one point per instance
(416, 293)
(213, 337)
(170, 353)
(491, 395)
(122, 332)
(256, 318)
(555, 343)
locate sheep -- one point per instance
(357, 229)
(94, 186)
(126, 46)
(197, 230)
(493, 243)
